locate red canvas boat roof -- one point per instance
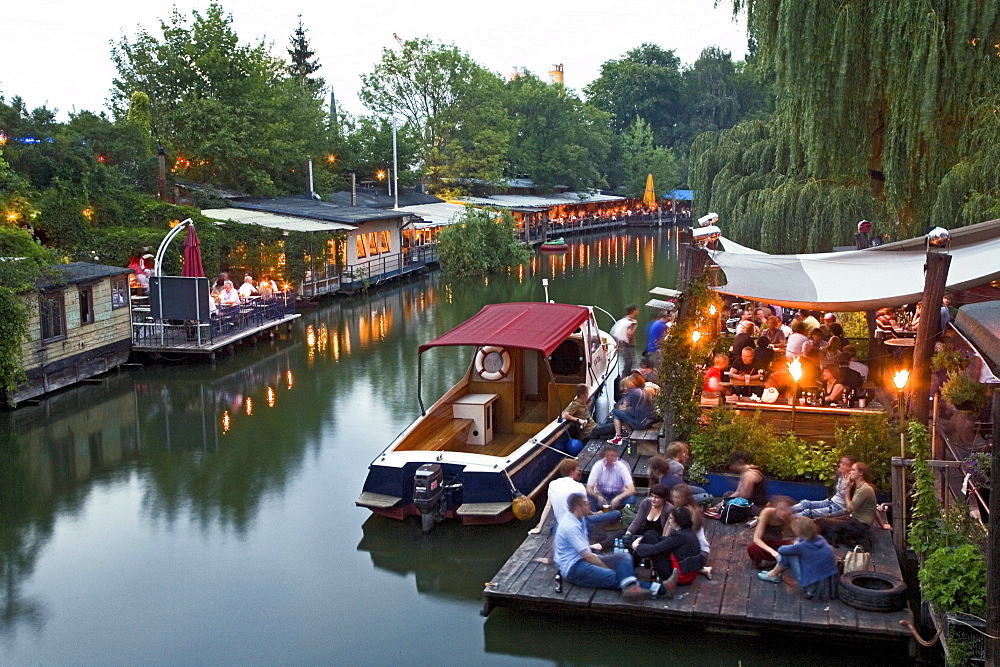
(534, 326)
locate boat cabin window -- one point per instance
(568, 359)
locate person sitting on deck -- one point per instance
(577, 413)
(774, 333)
(773, 529)
(560, 489)
(659, 473)
(635, 409)
(831, 324)
(746, 370)
(675, 553)
(580, 566)
(850, 378)
(229, 296)
(713, 376)
(247, 289)
(796, 343)
(859, 495)
(780, 378)
(811, 560)
(885, 323)
(678, 453)
(268, 287)
(861, 368)
(752, 484)
(763, 355)
(652, 512)
(220, 282)
(610, 482)
(744, 336)
(681, 496)
(831, 507)
(833, 390)
(830, 355)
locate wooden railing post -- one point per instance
(898, 506)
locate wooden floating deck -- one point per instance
(735, 600)
(185, 343)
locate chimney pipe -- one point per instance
(354, 189)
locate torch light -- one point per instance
(795, 368)
(900, 379)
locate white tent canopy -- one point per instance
(888, 275)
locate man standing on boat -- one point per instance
(623, 332)
(580, 566)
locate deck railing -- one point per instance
(226, 322)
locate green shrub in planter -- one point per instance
(954, 579)
(728, 431)
(949, 359)
(963, 392)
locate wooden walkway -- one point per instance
(735, 600)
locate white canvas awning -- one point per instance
(440, 214)
(888, 275)
(283, 222)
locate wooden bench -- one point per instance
(438, 433)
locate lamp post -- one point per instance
(795, 368)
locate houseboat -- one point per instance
(498, 433)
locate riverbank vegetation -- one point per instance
(481, 242)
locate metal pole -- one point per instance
(395, 166)
(795, 400)
(993, 552)
(310, 170)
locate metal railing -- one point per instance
(226, 322)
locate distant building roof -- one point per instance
(273, 220)
(75, 273)
(542, 201)
(435, 215)
(369, 198)
(304, 207)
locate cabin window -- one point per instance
(372, 244)
(567, 359)
(361, 246)
(86, 305)
(52, 315)
(119, 292)
(384, 242)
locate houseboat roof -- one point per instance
(372, 198)
(304, 207)
(533, 326)
(76, 273)
(543, 201)
(283, 222)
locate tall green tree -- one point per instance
(229, 113)
(642, 157)
(645, 83)
(878, 105)
(452, 100)
(480, 243)
(303, 62)
(558, 140)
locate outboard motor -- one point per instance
(428, 494)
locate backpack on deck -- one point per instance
(736, 510)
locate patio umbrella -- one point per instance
(649, 198)
(192, 255)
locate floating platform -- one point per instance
(734, 600)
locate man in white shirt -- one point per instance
(623, 332)
(855, 364)
(229, 296)
(561, 489)
(247, 289)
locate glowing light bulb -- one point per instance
(795, 368)
(695, 336)
(900, 378)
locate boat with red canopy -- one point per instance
(497, 435)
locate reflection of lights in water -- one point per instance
(520, 273)
(347, 337)
(249, 406)
(270, 397)
(321, 339)
(486, 281)
(310, 336)
(225, 421)
(288, 379)
(562, 263)
(638, 248)
(335, 346)
(363, 330)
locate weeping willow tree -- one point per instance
(883, 110)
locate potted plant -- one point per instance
(949, 358)
(963, 392)
(980, 466)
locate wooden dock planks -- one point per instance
(735, 599)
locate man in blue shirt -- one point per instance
(579, 565)
(655, 331)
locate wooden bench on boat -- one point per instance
(437, 433)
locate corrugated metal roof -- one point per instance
(304, 207)
(264, 219)
(371, 198)
(542, 201)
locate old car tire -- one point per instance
(872, 591)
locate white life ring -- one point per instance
(489, 366)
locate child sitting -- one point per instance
(811, 560)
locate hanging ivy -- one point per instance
(886, 111)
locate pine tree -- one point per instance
(303, 59)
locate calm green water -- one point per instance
(198, 514)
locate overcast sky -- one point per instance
(56, 52)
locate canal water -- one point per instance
(204, 514)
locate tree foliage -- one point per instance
(302, 59)
(452, 100)
(879, 111)
(481, 243)
(229, 113)
(558, 140)
(641, 157)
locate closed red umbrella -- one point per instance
(192, 255)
